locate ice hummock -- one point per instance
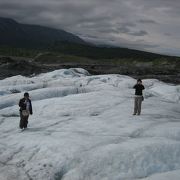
(83, 129)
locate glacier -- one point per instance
(82, 128)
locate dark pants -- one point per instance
(23, 121)
(137, 105)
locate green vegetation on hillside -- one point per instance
(78, 53)
(18, 52)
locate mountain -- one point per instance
(50, 49)
(16, 34)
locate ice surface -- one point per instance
(82, 128)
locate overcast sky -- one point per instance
(152, 25)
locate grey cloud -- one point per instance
(127, 30)
(119, 22)
(171, 7)
(139, 33)
(156, 3)
(139, 45)
(167, 34)
(147, 21)
(127, 24)
(124, 29)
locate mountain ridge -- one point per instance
(16, 34)
(19, 35)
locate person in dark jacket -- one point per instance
(138, 97)
(25, 109)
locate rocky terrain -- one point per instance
(166, 71)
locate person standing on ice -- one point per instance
(25, 109)
(138, 97)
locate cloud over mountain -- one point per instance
(117, 22)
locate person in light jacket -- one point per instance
(138, 97)
(25, 109)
